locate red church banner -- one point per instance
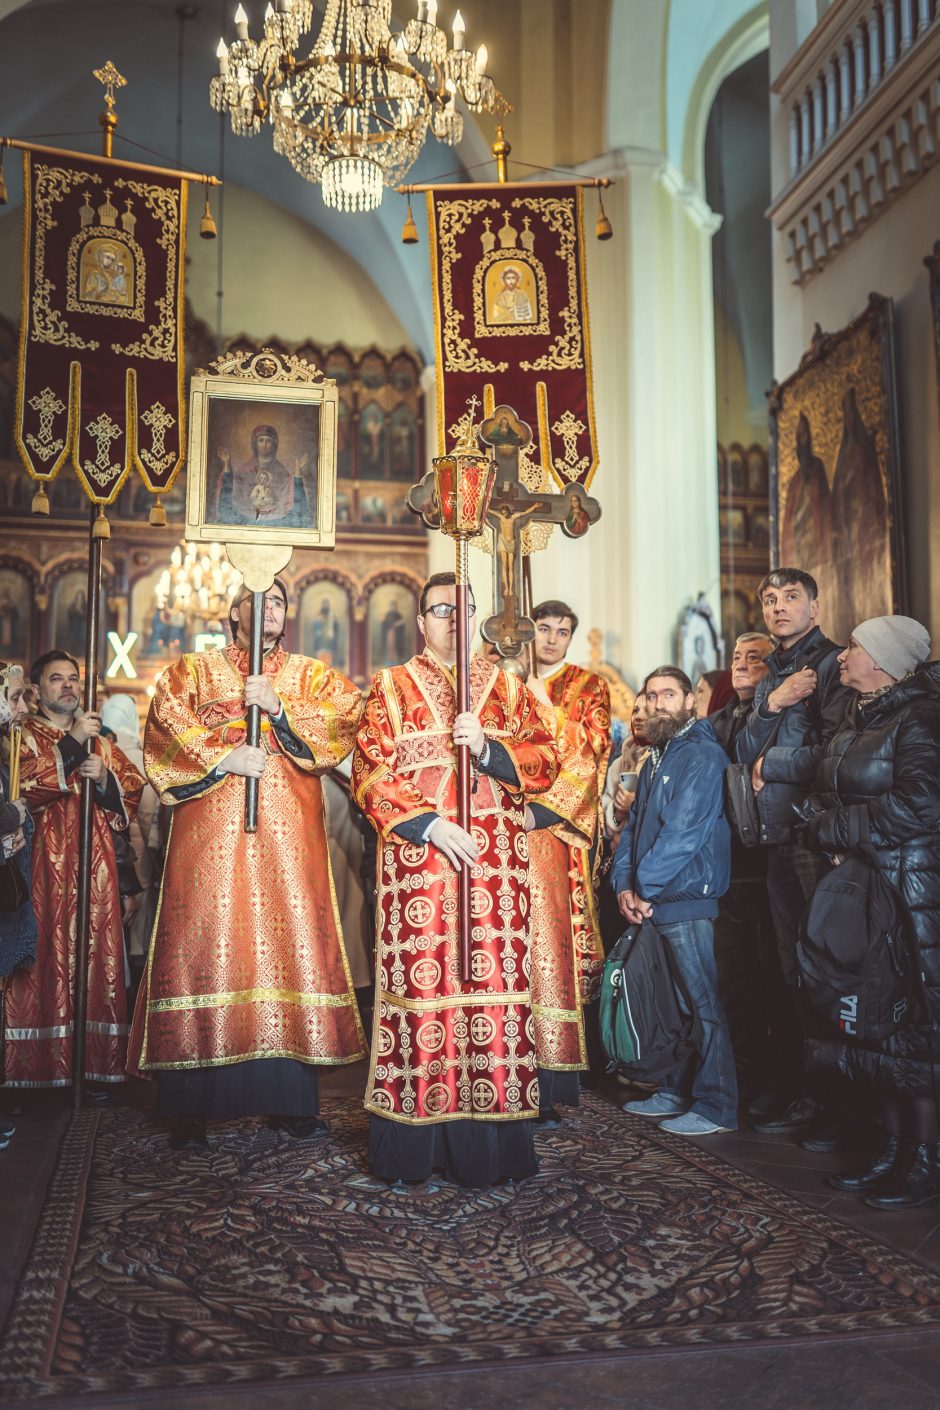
(511, 316)
(101, 341)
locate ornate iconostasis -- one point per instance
(355, 606)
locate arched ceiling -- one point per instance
(48, 49)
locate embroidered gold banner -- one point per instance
(511, 316)
(100, 381)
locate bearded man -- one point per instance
(53, 762)
(453, 1082)
(672, 865)
(247, 985)
(567, 953)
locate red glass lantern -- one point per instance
(463, 485)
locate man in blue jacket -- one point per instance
(672, 865)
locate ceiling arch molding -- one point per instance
(749, 37)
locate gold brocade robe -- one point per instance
(39, 1022)
(444, 1050)
(567, 953)
(247, 957)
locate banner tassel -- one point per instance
(157, 515)
(101, 528)
(40, 504)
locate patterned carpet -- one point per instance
(265, 1258)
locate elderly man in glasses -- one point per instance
(453, 1081)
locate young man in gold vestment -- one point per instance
(567, 954)
(453, 1082)
(247, 987)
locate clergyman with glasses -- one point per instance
(453, 1082)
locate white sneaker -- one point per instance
(656, 1105)
(691, 1124)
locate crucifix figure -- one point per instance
(512, 508)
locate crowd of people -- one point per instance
(235, 936)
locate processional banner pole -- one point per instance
(97, 530)
(463, 485)
(253, 714)
(462, 576)
(86, 822)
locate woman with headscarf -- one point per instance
(17, 927)
(883, 767)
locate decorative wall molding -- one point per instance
(862, 96)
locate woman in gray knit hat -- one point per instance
(883, 764)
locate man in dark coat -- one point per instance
(750, 982)
(882, 770)
(672, 865)
(798, 707)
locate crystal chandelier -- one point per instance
(198, 585)
(353, 114)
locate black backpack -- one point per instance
(648, 1022)
(854, 959)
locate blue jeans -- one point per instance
(708, 1081)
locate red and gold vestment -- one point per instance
(39, 1022)
(444, 1050)
(567, 953)
(247, 957)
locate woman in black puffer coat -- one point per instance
(886, 757)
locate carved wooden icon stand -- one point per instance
(279, 386)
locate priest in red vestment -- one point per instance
(247, 989)
(453, 1083)
(53, 761)
(567, 953)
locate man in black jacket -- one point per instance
(798, 707)
(750, 983)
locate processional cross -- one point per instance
(512, 508)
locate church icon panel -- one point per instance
(357, 624)
(510, 288)
(105, 266)
(17, 614)
(325, 619)
(391, 620)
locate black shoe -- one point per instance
(7, 1128)
(877, 1172)
(765, 1104)
(548, 1119)
(97, 1096)
(301, 1128)
(796, 1117)
(825, 1139)
(189, 1134)
(915, 1184)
